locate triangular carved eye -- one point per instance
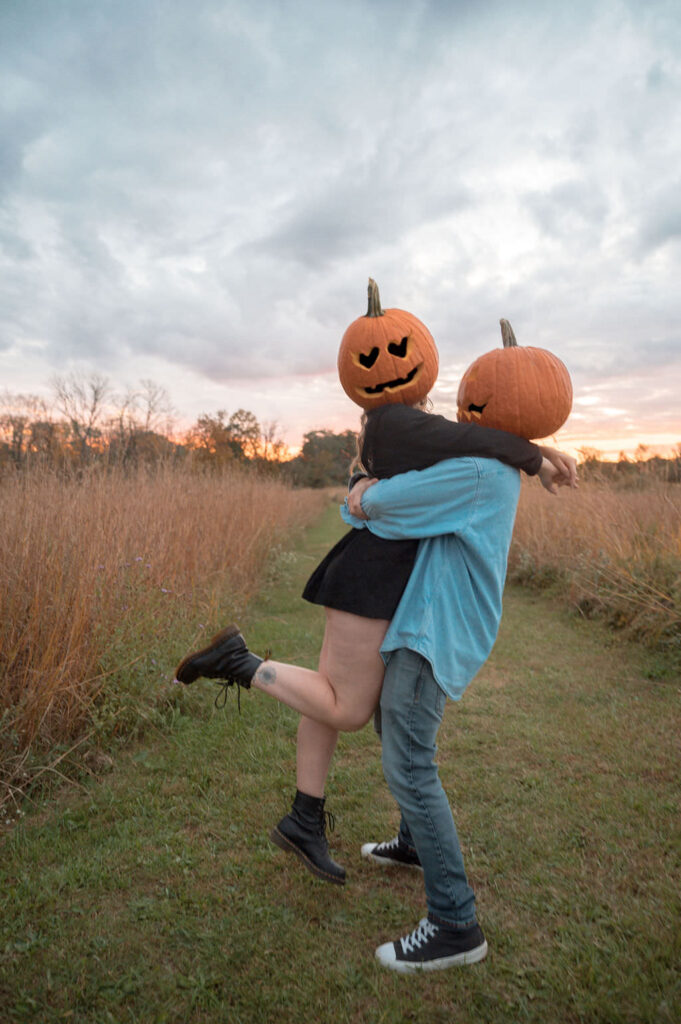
(398, 348)
(368, 361)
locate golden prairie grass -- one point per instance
(617, 552)
(95, 571)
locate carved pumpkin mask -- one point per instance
(386, 356)
(526, 391)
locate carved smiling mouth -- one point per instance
(391, 385)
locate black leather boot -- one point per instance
(226, 657)
(303, 832)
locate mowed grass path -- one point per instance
(154, 894)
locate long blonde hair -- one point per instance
(357, 466)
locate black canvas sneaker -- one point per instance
(430, 947)
(395, 852)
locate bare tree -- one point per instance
(155, 406)
(124, 425)
(141, 423)
(82, 401)
(272, 445)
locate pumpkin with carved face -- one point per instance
(386, 356)
(526, 391)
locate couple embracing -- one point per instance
(413, 598)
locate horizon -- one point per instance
(569, 438)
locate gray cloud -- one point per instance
(382, 200)
(207, 187)
(570, 207)
(660, 219)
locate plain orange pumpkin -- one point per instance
(386, 356)
(524, 390)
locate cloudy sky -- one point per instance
(196, 193)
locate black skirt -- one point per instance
(363, 574)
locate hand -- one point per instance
(552, 478)
(355, 496)
(565, 465)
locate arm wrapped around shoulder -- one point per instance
(399, 438)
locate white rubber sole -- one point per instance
(385, 955)
(386, 862)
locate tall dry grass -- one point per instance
(616, 552)
(95, 572)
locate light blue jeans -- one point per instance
(412, 705)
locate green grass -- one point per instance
(154, 895)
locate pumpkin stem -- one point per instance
(374, 300)
(507, 335)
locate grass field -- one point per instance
(614, 553)
(151, 893)
(96, 571)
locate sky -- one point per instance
(196, 193)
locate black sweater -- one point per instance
(398, 438)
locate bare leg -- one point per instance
(315, 748)
(349, 657)
(345, 694)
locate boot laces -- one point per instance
(224, 685)
(425, 931)
(328, 818)
(221, 698)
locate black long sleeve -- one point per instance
(398, 438)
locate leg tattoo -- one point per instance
(266, 674)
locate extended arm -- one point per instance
(423, 503)
(399, 438)
(429, 502)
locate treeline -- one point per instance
(87, 424)
(628, 472)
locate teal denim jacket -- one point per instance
(463, 510)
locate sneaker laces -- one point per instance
(425, 931)
(393, 844)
